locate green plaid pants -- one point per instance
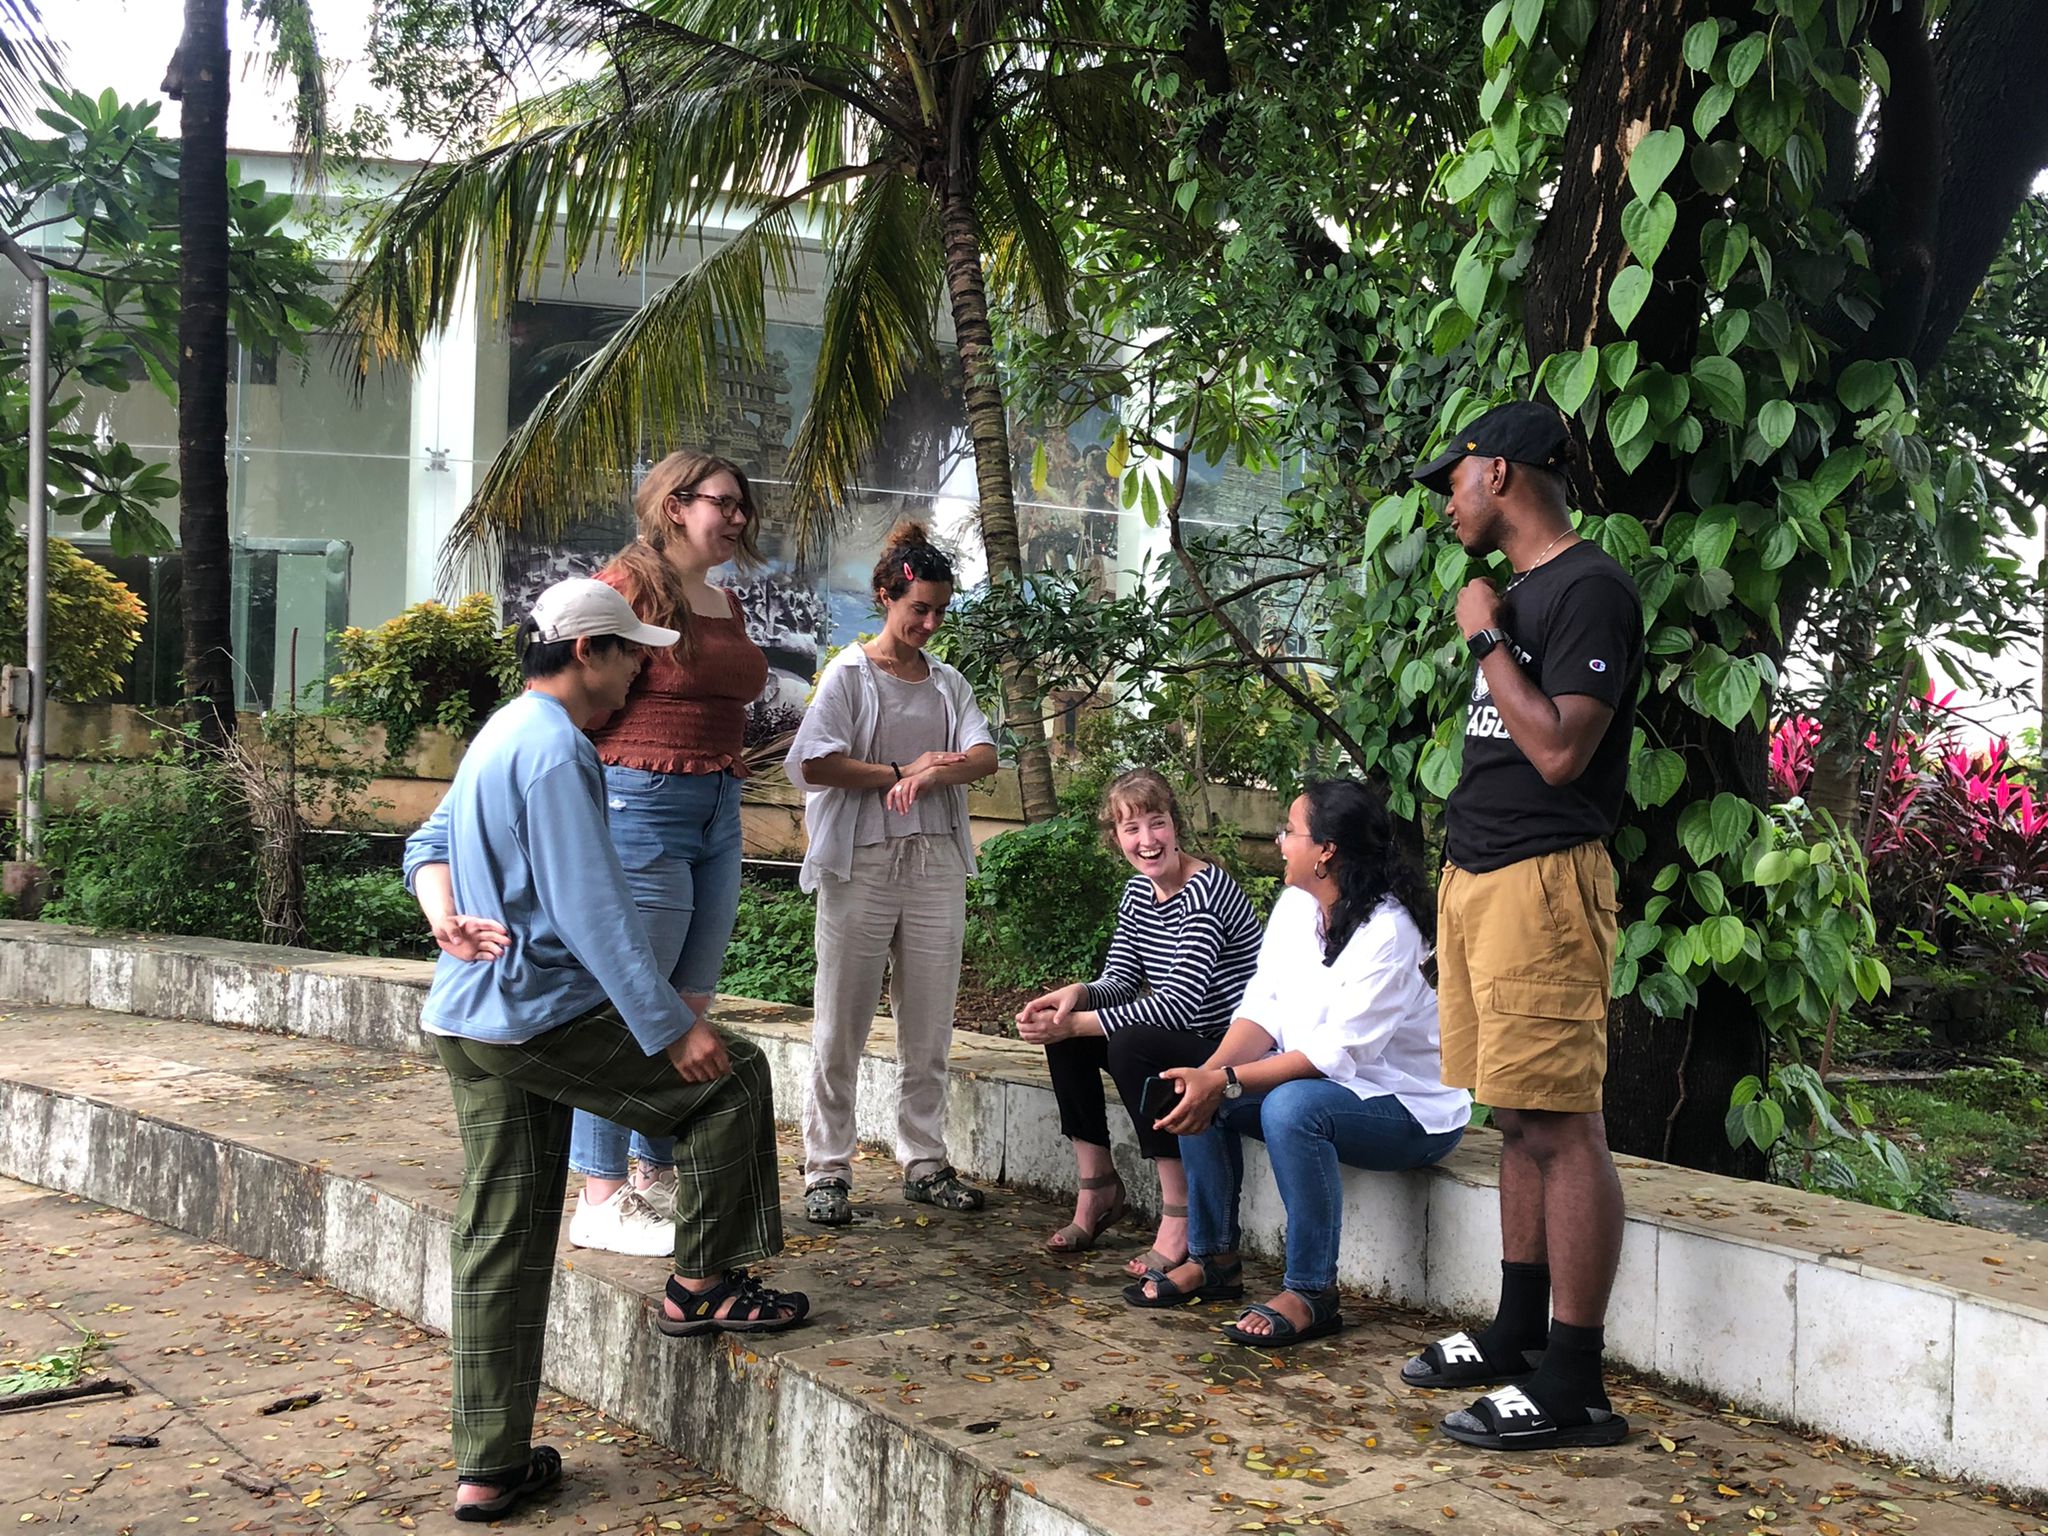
(512, 1105)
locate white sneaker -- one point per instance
(625, 1223)
(661, 1194)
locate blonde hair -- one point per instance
(650, 583)
(1142, 791)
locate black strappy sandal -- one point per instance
(1219, 1283)
(755, 1308)
(543, 1471)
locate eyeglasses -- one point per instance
(1284, 833)
(727, 505)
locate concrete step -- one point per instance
(957, 1379)
(1923, 1341)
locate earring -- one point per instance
(1322, 869)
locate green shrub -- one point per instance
(95, 622)
(163, 848)
(364, 912)
(1043, 907)
(430, 666)
(771, 956)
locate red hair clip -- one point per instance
(907, 575)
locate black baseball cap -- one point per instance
(1523, 431)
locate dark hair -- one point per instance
(642, 570)
(1368, 865)
(908, 555)
(540, 658)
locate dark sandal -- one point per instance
(1323, 1319)
(1223, 1283)
(1458, 1361)
(755, 1308)
(543, 1471)
(1076, 1238)
(1152, 1258)
(1510, 1420)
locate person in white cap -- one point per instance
(547, 996)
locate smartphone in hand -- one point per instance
(1161, 1096)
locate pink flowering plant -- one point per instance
(1958, 866)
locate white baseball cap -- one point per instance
(584, 606)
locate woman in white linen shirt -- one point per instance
(1333, 1058)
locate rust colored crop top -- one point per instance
(688, 716)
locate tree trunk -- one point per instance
(201, 73)
(1668, 1079)
(988, 427)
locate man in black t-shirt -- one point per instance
(1526, 924)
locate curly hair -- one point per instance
(1367, 863)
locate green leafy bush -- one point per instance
(95, 622)
(364, 912)
(430, 666)
(771, 956)
(162, 848)
(1043, 907)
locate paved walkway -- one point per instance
(210, 1340)
(936, 1329)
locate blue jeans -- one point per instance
(1309, 1126)
(678, 837)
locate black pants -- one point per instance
(1129, 1055)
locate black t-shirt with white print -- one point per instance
(1576, 626)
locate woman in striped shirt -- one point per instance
(1186, 943)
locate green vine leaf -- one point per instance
(1654, 159)
(1647, 226)
(1625, 298)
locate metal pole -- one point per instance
(30, 817)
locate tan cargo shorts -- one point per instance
(1525, 961)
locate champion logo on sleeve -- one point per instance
(1597, 664)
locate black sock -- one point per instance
(1569, 1382)
(1523, 1316)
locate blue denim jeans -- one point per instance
(678, 836)
(1309, 1126)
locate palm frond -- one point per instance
(633, 179)
(880, 325)
(1030, 259)
(298, 58)
(29, 57)
(654, 381)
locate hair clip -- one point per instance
(908, 574)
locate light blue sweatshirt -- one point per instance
(523, 832)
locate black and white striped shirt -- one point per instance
(1178, 964)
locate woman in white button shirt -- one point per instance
(1332, 1059)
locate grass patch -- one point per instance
(1984, 1125)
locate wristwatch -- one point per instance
(1231, 1086)
(1481, 645)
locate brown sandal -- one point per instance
(1076, 1238)
(1152, 1258)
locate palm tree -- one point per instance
(935, 146)
(198, 80)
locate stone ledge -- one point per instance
(1917, 1339)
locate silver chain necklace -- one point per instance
(1520, 576)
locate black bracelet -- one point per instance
(893, 768)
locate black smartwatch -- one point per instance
(1481, 645)
(1231, 1086)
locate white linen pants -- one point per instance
(904, 908)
